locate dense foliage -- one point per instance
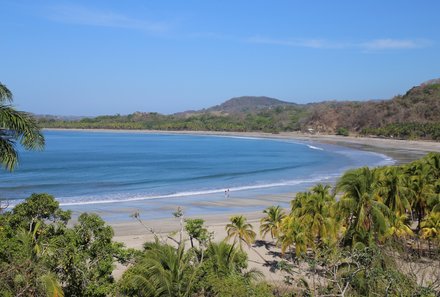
(415, 115)
(280, 119)
(211, 269)
(41, 256)
(355, 244)
(406, 131)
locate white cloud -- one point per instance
(310, 43)
(385, 44)
(80, 15)
(372, 45)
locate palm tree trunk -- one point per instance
(420, 217)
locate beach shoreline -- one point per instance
(133, 234)
(205, 204)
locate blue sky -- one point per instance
(107, 57)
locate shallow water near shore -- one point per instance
(116, 173)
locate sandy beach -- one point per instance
(134, 234)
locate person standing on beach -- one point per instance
(226, 194)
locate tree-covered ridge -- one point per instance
(284, 118)
(375, 234)
(415, 115)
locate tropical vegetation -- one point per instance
(15, 126)
(353, 239)
(41, 255)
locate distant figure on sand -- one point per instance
(227, 193)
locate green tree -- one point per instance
(161, 271)
(316, 214)
(367, 272)
(433, 162)
(87, 255)
(24, 272)
(399, 226)
(223, 259)
(224, 272)
(15, 126)
(342, 131)
(364, 216)
(240, 230)
(40, 254)
(271, 222)
(293, 233)
(196, 231)
(431, 226)
(41, 208)
(300, 200)
(393, 189)
(422, 188)
(237, 286)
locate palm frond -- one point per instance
(22, 127)
(51, 285)
(8, 154)
(5, 94)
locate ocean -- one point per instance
(107, 171)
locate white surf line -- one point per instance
(196, 193)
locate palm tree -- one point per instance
(315, 214)
(433, 161)
(163, 271)
(422, 188)
(15, 126)
(431, 226)
(224, 262)
(223, 259)
(240, 230)
(399, 226)
(360, 206)
(271, 222)
(293, 233)
(299, 201)
(393, 189)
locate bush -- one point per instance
(342, 131)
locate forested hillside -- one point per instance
(415, 115)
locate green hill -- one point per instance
(413, 115)
(247, 104)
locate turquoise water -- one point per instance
(110, 170)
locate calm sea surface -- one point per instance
(82, 169)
